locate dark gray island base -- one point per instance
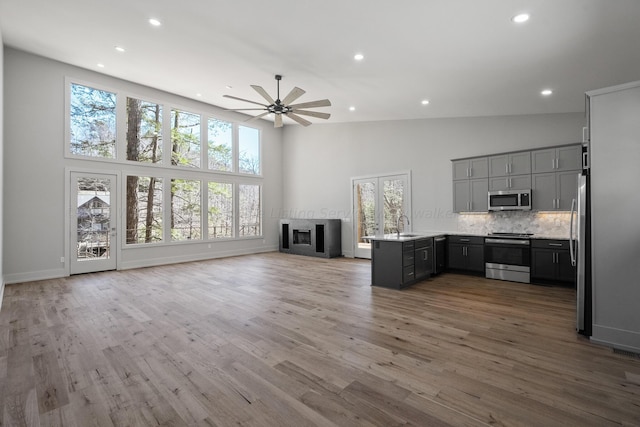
(398, 262)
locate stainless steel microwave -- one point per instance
(510, 200)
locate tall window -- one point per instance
(220, 204)
(92, 122)
(185, 139)
(249, 214)
(220, 143)
(144, 209)
(249, 150)
(144, 131)
(185, 209)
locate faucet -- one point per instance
(400, 222)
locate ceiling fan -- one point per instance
(280, 107)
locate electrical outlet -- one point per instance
(61, 259)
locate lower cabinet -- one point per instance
(466, 253)
(423, 260)
(402, 263)
(551, 262)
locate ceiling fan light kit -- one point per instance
(279, 107)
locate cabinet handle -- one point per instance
(555, 244)
(425, 255)
(557, 163)
(470, 172)
(554, 203)
(553, 163)
(465, 240)
(506, 168)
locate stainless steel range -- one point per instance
(508, 256)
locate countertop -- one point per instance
(408, 236)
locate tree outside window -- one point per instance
(185, 139)
(144, 131)
(220, 205)
(249, 150)
(220, 145)
(144, 209)
(250, 212)
(185, 209)
(92, 122)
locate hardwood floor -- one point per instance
(284, 340)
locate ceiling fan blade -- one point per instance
(299, 119)
(259, 116)
(264, 94)
(312, 104)
(244, 109)
(245, 100)
(278, 121)
(313, 114)
(295, 93)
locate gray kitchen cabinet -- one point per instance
(554, 191)
(398, 264)
(517, 182)
(510, 164)
(551, 262)
(557, 159)
(470, 168)
(466, 253)
(471, 195)
(423, 260)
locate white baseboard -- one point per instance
(189, 258)
(58, 273)
(35, 275)
(1, 294)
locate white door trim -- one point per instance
(117, 249)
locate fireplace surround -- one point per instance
(311, 237)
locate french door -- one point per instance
(92, 222)
(378, 203)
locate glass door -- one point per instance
(378, 203)
(93, 222)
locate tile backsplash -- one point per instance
(552, 224)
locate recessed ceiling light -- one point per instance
(155, 22)
(198, 95)
(119, 49)
(546, 92)
(358, 57)
(425, 102)
(520, 18)
(100, 65)
(229, 87)
(352, 108)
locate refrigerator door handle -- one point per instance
(571, 236)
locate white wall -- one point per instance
(34, 196)
(2, 281)
(320, 160)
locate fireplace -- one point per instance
(302, 237)
(312, 237)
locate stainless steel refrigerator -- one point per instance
(606, 229)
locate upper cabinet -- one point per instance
(510, 164)
(550, 173)
(557, 159)
(470, 168)
(470, 185)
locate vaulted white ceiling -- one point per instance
(465, 56)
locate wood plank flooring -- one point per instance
(285, 340)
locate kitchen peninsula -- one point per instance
(400, 260)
